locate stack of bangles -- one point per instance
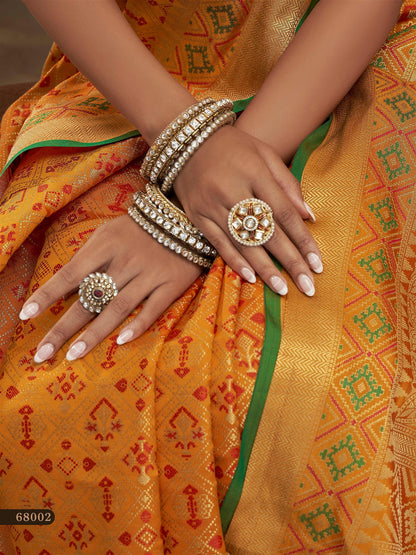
(250, 221)
(152, 210)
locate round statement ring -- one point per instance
(250, 222)
(96, 291)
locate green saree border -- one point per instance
(269, 353)
(68, 143)
(238, 106)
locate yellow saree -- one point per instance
(240, 423)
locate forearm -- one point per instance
(97, 38)
(319, 67)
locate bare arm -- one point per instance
(98, 39)
(326, 57)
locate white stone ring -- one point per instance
(250, 222)
(96, 291)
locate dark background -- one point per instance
(24, 45)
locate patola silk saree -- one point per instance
(241, 422)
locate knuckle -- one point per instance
(92, 336)
(58, 335)
(66, 274)
(295, 265)
(305, 243)
(286, 216)
(43, 296)
(120, 306)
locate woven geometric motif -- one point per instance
(362, 387)
(354, 417)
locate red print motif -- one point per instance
(183, 357)
(76, 534)
(66, 386)
(88, 464)
(106, 483)
(103, 423)
(5, 464)
(26, 425)
(125, 538)
(197, 507)
(138, 459)
(184, 431)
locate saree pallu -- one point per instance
(240, 422)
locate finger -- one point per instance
(234, 254)
(111, 317)
(74, 319)
(222, 242)
(287, 181)
(159, 301)
(288, 219)
(88, 259)
(290, 258)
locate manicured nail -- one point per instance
(278, 285)
(306, 285)
(124, 336)
(28, 311)
(44, 353)
(315, 262)
(76, 350)
(309, 211)
(248, 275)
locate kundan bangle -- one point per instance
(178, 141)
(167, 240)
(224, 119)
(181, 230)
(165, 136)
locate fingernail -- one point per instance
(248, 275)
(124, 336)
(76, 350)
(309, 211)
(28, 311)
(306, 285)
(315, 262)
(44, 353)
(278, 285)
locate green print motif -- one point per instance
(92, 103)
(35, 120)
(320, 523)
(343, 458)
(384, 213)
(362, 387)
(378, 63)
(198, 61)
(373, 323)
(404, 106)
(393, 161)
(223, 18)
(376, 265)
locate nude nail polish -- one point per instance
(28, 311)
(306, 285)
(248, 275)
(278, 285)
(315, 262)
(44, 353)
(124, 336)
(309, 211)
(76, 350)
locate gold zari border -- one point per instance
(332, 183)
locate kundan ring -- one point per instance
(96, 291)
(250, 222)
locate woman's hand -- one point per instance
(232, 166)
(141, 268)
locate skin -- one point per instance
(250, 158)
